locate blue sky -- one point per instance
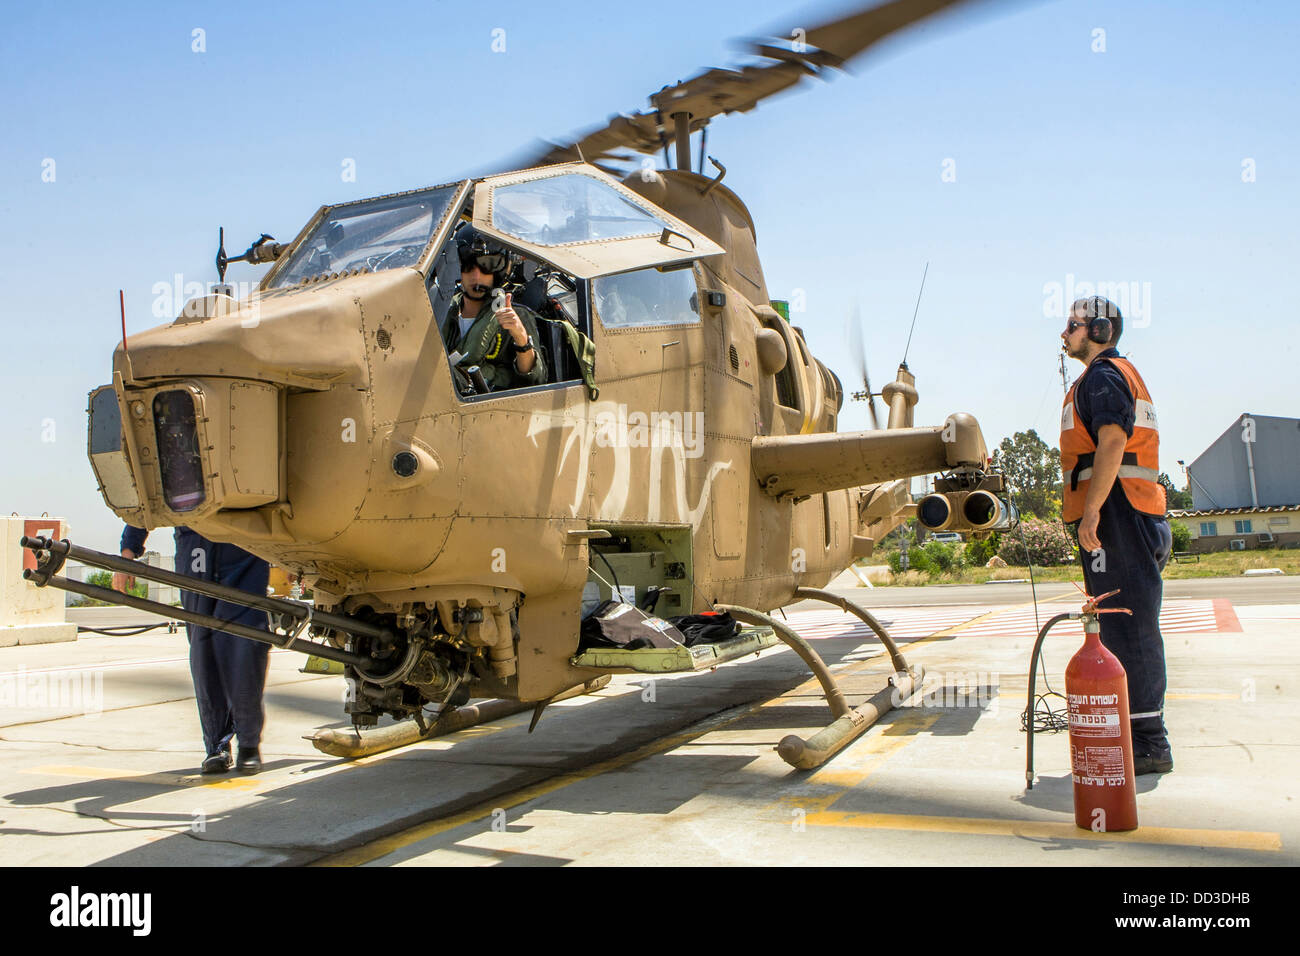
(1071, 166)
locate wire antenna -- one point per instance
(914, 312)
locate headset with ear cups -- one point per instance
(1100, 327)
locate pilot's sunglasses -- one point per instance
(489, 264)
(1071, 326)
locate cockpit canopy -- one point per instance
(571, 215)
(369, 235)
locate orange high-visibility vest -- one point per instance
(1140, 466)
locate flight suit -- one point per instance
(229, 672)
(490, 347)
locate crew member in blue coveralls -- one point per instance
(1110, 465)
(229, 672)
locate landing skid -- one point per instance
(846, 724)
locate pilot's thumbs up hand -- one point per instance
(510, 322)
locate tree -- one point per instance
(1175, 500)
(1033, 470)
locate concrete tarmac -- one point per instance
(99, 745)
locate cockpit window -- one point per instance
(372, 235)
(570, 208)
(647, 297)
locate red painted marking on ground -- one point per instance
(1225, 617)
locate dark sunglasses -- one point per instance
(1071, 326)
(489, 263)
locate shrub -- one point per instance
(918, 559)
(941, 556)
(979, 550)
(1182, 536)
(1047, 541)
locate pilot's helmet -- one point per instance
(474, 247)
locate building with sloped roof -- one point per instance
(1246, 487)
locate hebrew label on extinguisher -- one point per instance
(1093, 717)
(1098, 766)
(1097, 724)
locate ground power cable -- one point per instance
(126, 630)
(1039, 711)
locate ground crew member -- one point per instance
(229, 672)
(502, 342)
(1110, 462)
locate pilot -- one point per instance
(494, 334)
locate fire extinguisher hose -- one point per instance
(1029, 706)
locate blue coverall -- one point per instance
(1136, 547)
(229, 672)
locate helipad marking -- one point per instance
(1261, 842)
(913, 627)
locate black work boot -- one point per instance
(1153, 761)
(250, 760)
(218, 762)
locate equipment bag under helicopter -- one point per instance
(707, 627)
(618, 624)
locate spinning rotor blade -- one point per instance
(859, 353)
(716, 91)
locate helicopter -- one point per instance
(681, 454)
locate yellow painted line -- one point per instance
(136, 776)
(1262, 842)
(386, 845)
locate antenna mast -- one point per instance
(914, 312)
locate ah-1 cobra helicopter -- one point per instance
(684, 442)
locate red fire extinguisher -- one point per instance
(1101, 744)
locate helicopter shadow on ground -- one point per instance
(297, 820)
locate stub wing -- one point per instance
(797, 466)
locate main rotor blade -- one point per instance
(716, 91)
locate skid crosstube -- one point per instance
(847, 723)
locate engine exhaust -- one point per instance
(988, 512)
(966, 511)
(935, 512)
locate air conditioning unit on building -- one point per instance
(1266, 537)
(1237, 544)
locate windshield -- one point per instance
(371, 235)
(569, 208)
